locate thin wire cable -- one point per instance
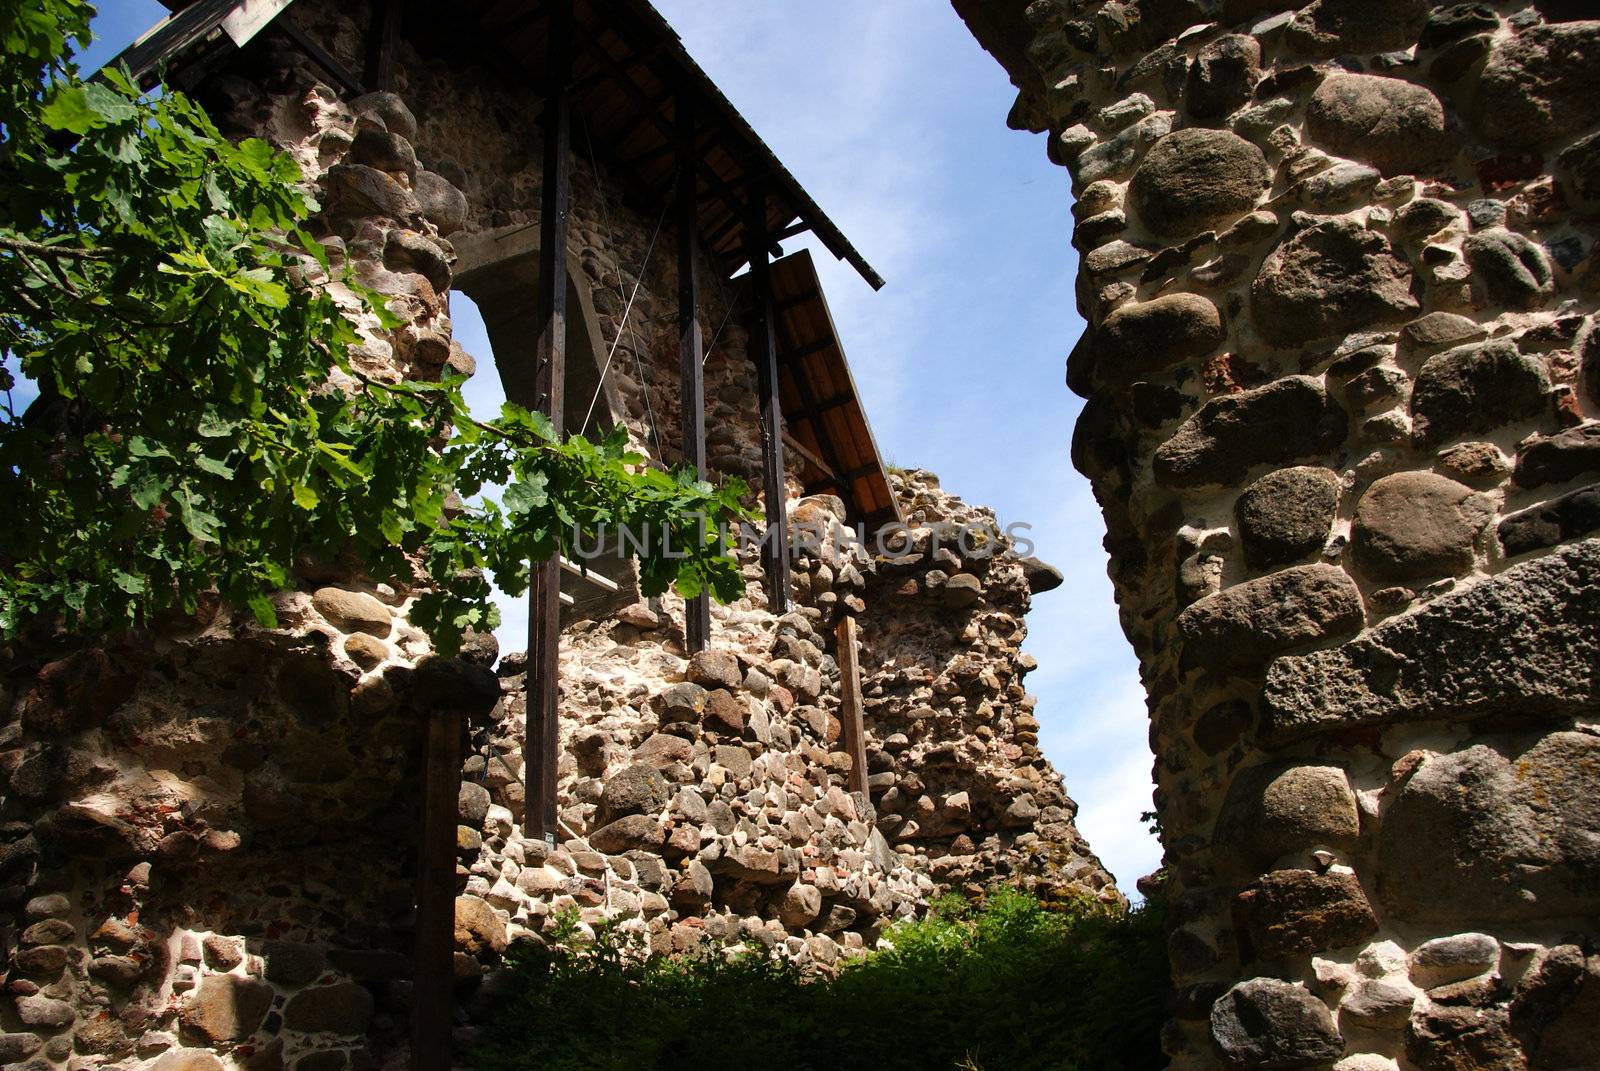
(605, 218)
(627, 313)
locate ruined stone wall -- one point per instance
(208, 831)
(1342, 369)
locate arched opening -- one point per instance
(498, 272)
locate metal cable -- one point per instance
(605, 218)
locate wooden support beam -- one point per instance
(825, 404)
(850, 718)
(808, 401)
(433, 992)
(382, 44)
(763, 350)
(734, 221)
(793, 230)
(793, 354)
(800, 448)
(666, 148)
(320, 56)
(542, 738)
(798, 300)
(691, 345)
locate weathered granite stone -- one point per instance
(961, 591)
(1145, 336)
(1487, 835)
(1508, 269)
(1289, 420)
(352, 611)
(1557, 521)
(1285, 515)
(1116, 256)
(1443, 1038)
(801, 904)
(1538, 84)
(472, 803)
(724, 712)
(1453, 959)
(389, 110)
(734, 758)
(682, 702)
(1299, 912)
(1340, 185)
(1415, 525)
(406, 250)
(188, 1060)
(478, 929)
(293, 962)
(1519, 643)
(15, 1048)
(443, 205)
(1397, 127)
(343, 1008)
(1425, 216)
(226, 1007)
(1099, 441)
(1478, 465)
(1331, 278)
(1114, 157)
(44, 1012)
(1267, 1023)
(357, 191)
(1558, 458)
(1581, 162)
(1040, 575)
(635, 789)
(1194, 178)
(715, 668)
(1436, 331)
(1283, 809)
(1378, 1004)
(633, 832)
(1476, 388)
(1220, 727)
(377, 147)
(1450, 24)
(1556, 1011)
(1341, 27)
(1221, 76)
(1242, 626)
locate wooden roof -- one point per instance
(628, 76)
(821, 407)
(627, 80)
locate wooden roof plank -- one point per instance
(824, 399)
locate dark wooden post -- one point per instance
(433, 989)
(850, 717)
(542, 742)
(764, 351)
(691, 347)
(381, 45)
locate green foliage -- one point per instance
(158, 283)
(1008, 986)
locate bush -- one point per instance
(1012, 985)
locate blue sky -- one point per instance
(894, 119)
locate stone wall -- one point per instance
(1341, 370)
(209, 830)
